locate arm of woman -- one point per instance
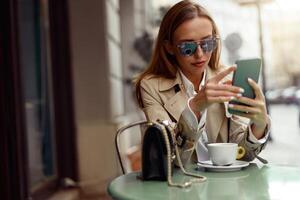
(240, 132)
(257, 131)
(254, 109)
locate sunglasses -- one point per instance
(190, 47)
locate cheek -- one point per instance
(208, 56)
(183, 60)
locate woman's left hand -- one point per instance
(256, 111)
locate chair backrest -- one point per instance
(120, 132)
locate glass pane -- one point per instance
(36, 89)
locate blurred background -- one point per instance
(67, 85)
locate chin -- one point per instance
(199, 68)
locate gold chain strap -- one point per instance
(199, 178)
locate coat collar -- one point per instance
(166, 84)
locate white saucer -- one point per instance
(237, 165)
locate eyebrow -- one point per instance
(191, 40)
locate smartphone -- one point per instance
(248, 68)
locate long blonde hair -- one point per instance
(163, 64)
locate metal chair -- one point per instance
(120, 131)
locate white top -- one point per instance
(189, 115)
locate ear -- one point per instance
(169, 47)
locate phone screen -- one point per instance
(249, 68)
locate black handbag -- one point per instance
(159, 153)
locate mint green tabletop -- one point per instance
(251, 183)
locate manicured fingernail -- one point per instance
(239, 95)
(250, 80)
(230, 105)
(232, 98)
(242, 90)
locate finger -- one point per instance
(247, 115)
(225, 87)
(216, 93)
(256, 88)
(220, 99)
(245, 109)
(229, 82)
(222, 74)
(250, 102)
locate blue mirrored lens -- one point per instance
(189, 48)
(208, 45)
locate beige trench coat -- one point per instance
(162, 101)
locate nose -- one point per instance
(199, 52)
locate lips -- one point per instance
(198, 64)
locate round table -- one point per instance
(253, 182)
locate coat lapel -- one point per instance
(176, 101)
(176, 104)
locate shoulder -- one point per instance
(150, 81)
(160, 83)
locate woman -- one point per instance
(186, 84)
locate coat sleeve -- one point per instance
(239, 133)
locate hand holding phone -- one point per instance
(249, 68)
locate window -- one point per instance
(37, 129)
(38, 95)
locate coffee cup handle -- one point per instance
(240, 152)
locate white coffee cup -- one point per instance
(222, 153)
